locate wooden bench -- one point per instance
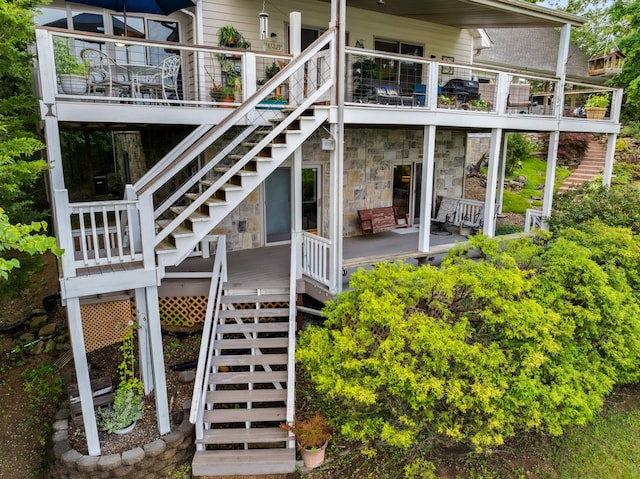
(383, 218)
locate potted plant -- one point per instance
(312, 436)
(220, 92)
(128, 401)
(479, 104)
(445, 102)
(228, 36)
(72, 73)
(596, 106)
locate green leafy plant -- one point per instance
(128, 401)
(519, 148)
(445, 100)
(219, 92)
(479, 104)
(66, 62)
(597, 100)
(310, 433)
(229, 36)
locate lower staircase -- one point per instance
(591, 166)
(247, 384)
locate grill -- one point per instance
(463, 90)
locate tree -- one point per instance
(21, 227)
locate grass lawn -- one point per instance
(534, 170)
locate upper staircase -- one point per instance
(207, 175)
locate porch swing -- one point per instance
(607, 62)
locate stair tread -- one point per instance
(251, 343)
(249, 313)
(244, 435)
(254, 298)
(244, 462)
(248, 377)
(223, 396)
(195, 216)
(249, 359)
(271, 327)
(263, 414)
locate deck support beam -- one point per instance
(489, 228)
(612, 138)
(552, 159)
(426, 189)
(296, 220)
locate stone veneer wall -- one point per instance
(151, 461)
(368, 177)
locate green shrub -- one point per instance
(519, 149)
(632, 129)
(530, 339)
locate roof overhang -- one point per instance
(473, 13)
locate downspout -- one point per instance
(198, 37)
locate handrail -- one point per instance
(249, 105)
(315, 261)
(218, 276)
(291, 370)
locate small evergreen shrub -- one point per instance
(519, 148)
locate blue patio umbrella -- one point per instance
(160, 7)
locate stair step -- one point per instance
(254, 298)
(244, 462)
(208, 201)
(246, 377)
(249, 359)
(246, 395)
(231, 187)
(259, 312)
(262, 414)
(238, 173)
(164, 247)
(253, 435)
(271, 327)
(195, 216)
(251, 343)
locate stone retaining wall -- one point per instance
(151, 461)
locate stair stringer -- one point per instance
(247, 387)
(184, 242)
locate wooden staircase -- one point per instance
(248, 383)
(591, 166)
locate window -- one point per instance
(406, 74)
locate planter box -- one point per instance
(595, 113)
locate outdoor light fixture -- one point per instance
(380, 2)
(264, 23)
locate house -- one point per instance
(365, 125)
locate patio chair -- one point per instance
(446, 216)
(519, 97)
(105, 77)
(163, 84)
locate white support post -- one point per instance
(250, 75)
(612, 138)
(157, 360)
(432, 89)
(552, 158)
(426, 189)
(146, 370)
(336, 173)
(503, 172)
(296, 211)
(296, 85)
(561, 67)
(489, 228)
(82, 375)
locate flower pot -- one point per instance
(594, 113)
(73, 84)
(313, 458)
(125, 430)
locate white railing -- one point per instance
(534, 220)
(103, 233)
(291, 346)
(470, 213)
(209, 330)
(315, 257)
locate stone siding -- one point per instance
(151, 461)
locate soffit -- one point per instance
(472, 13)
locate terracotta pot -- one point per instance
(313, 458)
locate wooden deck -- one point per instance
(270, 265)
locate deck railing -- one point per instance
(102, 233)
(205, 357)
(315, 257)
(533, 220)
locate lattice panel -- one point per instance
(182, 310)
(102, 323)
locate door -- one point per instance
(278, 206)
(407, 187)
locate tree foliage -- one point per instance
(531, 338)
